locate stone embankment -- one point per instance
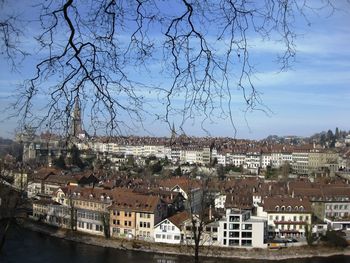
(125, 244)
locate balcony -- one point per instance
(289, 222)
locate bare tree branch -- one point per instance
(105, 54)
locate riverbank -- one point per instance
(234, 253)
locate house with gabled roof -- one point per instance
(36, 181)
(169, 230)
(191, 190)
(174, 200)
(134, 215)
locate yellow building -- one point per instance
(134, 216)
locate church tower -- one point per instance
(76, 126)
(173, 132)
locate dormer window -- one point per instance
(301, 208)
(283, 208)
(277, 208)
(289, 208)
(296, 208)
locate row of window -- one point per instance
(168, 227)
(234, 218)
(295, 218)
(163, 236)
(289, 208)
(337, 207)
(145, 224)
(291, 227)
(89, 215)
(126, 214)
(233, 226)
(337, 214)
(235, 242)
(90, 226)
(116, 230)
(145, 215)
(236, 234)
(88, 204)
(211, 229)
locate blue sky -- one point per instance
(312, 96)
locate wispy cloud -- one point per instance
(308, 44)
(302, 77)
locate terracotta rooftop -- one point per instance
(276, 204)
(185, 183)
(135, 202)
(179, 218)
(43, 173)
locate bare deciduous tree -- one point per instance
(198, 208)
(109, 55)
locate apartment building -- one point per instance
(252, 162)
(321, 159)
(328, 201)
(220, 200)
(236, 159)
(192, 155)
(134, 215)
(239, 229)
(206, 155)
(89, 206)
(266, 160)
(39, 183)
(300, 162)
(286, 216)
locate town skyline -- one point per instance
(189, 128)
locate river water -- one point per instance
(25, 246)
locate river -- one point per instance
(25, 246)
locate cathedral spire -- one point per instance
(76, 119)
(173, 132)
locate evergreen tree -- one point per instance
(76, 160)
(221, 172)
(177, 171)
(59, 162)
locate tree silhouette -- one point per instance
(99, 52)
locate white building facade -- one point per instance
(239, 229)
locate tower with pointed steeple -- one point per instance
(76, 125)
(173, 133)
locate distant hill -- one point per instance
(323, 138)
